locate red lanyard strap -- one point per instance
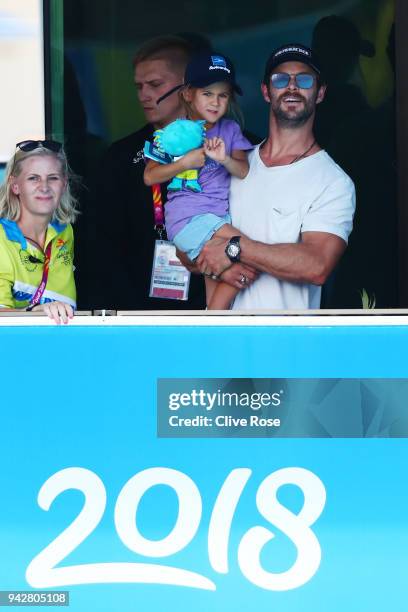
(41, 288)
(158, 209)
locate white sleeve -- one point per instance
(333, 209)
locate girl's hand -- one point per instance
(193, 159)
(57, 311)
(215, 149)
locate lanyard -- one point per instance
(41, 288)
(158, 211)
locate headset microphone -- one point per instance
(166, 95)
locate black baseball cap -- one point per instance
(207, 68)
(291, 53)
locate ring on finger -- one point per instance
(243, 279)
(214, 276)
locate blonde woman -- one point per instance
(36, 237)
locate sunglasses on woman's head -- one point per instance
(304, 80)
(31, 145)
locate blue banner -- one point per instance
(96, 503)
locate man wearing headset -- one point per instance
(123, 210)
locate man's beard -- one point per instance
(291, 119)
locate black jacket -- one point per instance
(121, 219)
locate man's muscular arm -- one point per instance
(309, 261)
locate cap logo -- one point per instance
(293, 50)
(219, 61)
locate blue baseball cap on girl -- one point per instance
(207, 68)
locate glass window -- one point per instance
(355, 124)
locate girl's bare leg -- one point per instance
(219, 294)
(221, 297)
(222, 294)
(210, 287)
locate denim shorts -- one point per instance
(199, 230)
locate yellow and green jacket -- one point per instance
(21, 266)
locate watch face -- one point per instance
(233, 250)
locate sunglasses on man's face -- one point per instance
(31, 145)
(280, 80)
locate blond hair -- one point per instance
(10, 208)
(174, 50)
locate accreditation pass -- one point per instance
(170, 279)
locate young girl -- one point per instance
(193, 217)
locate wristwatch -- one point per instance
(233, 249)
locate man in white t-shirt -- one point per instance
(295, 207)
